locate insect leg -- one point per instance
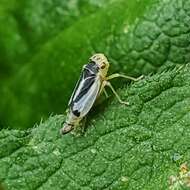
(106, 94)
(102, 88)
(116, 75)
(80, 128)
(83, 127)
(115, 93)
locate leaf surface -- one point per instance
(139, 146)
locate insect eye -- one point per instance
(103, 66)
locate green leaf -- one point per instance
(25, 26)
(139, 146)
(139, 37)
(13, 47)
(42, 20)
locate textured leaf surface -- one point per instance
(125, 147)
(147, 36)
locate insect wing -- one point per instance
(89, 72)
(76, 87)
(87, 93)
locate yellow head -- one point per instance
(102, 63)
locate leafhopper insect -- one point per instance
(90, 85)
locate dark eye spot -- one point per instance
(103, 66)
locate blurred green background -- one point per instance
(44, 43)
